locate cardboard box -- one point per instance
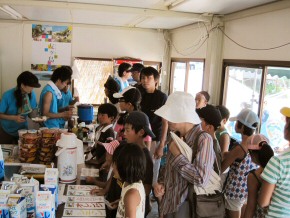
(4, 209)
(18, 210)
(44, 205)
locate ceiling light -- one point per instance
(11, 12)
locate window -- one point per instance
(186, 76)
(93, 75)
(262, 88)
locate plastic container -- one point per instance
(85, 113)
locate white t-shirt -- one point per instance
(140, 211)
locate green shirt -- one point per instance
(277, 172)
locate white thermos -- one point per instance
(69, 154)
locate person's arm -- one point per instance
(132, 199)
(224, 143)
(4, 105)
(46, 106)
(159, 150)
(108, 162)
(199, 171)
(266, 194)
(93, 180)
(253, 187)
(104, 191)
(16, 118)
(74, 99)
(271, 175)
(236, 153)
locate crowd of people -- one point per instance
(205, 174)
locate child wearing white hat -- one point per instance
(240, 163)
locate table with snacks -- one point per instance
(32, 163)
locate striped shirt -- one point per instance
(179, 172)
(277, 172)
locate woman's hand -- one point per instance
(19, 119)
(98, 192)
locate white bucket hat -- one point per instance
(179, 108)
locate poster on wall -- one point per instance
(51, 48)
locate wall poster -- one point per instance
(51, 48)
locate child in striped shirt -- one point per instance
(275, 191)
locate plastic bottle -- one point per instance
(2, 172)
(75, 129)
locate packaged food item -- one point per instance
(29, 191)
(17, 206)
(44, 204)
(11, 186)
(47, 148)
(13, 200)
(28, 146)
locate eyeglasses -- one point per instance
(122, 100)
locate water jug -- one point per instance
(85, 113)
(69, 154)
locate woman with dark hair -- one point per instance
(16, 104)
(124, 73)
(60, 79)
(111, 87)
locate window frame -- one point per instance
(186, 61)
(261, 64)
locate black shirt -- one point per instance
(149, 168)
(140, 88)
(149, 104)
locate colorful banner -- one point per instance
(51, 48)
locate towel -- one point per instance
(183, 147)
(55, 89)
(213, 185)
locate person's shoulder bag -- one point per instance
(211, 205)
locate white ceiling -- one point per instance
(157, 14)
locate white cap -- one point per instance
(247, 117)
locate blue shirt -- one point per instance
(64, 102)
(122, 84)
(51, 122)
(8, 106)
